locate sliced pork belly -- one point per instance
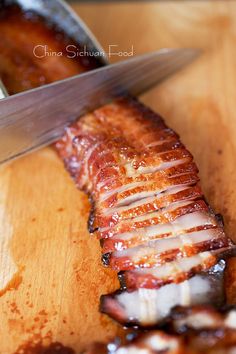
(158, 252)
(169, 272)
(165, 176)
(163, 216)
(148, 209)
(101, 145)
(111, 216)
(147, 307)
(187, 223)
(142, 190)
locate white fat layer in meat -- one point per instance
(149, 306)
(174, 228)
(132, 185)
(160, 142)
(168, 209)
(148, 200)
(132, 172)
(155, 214)
(153, 342)
(124, 188)
(200, 320)
(133, 350)
(127, 201)
(230, 320)
(174, 268)
(168, 244)
(160, 342)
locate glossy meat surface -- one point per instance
(149, 213)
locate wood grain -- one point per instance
(43, 218)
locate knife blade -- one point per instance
(38, 117)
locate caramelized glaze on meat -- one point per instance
(148, 209)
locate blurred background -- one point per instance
(42, 212)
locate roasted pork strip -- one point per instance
(148, 210)
(147, 307)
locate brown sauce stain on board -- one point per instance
(41, 348)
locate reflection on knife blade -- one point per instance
(38, 117)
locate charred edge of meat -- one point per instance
(127, 281)
(156, 283)
(180, 313)
(230, 252)
(220, 219)
(90, 222)
(117, 313)
(121, 278)
(110, 305)
(106, 259)
(131, 323)
(218, 216)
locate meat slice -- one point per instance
(169, 272)
(164, 216)
(154, 342)
(165, 250)
(147, 307)
(149, 213)
(202, 317)
(205, 331)
(143, 189)
(110, 217)
(196, 221)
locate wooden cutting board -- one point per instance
(43, 218)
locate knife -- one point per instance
(38, 117)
